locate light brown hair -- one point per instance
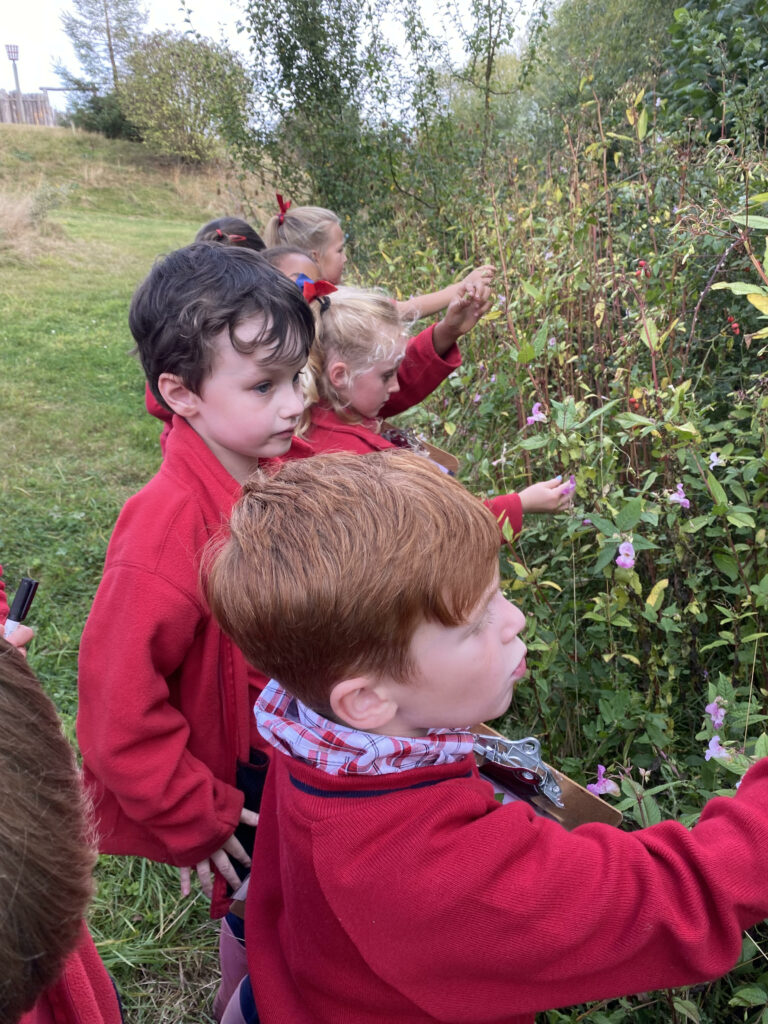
(46, 856)
(306, 227)
(355, 326)
(333, 562)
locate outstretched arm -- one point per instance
(419, 306)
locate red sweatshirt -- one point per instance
(165, 698)
(84, 994)
(416, 898)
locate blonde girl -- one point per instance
(319, 233)
(361, 369)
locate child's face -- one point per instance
(247, 410)
(368, 390)
(464, 674)
(331, 258)
(293, 264)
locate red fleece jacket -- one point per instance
(416, 898)
(419, 374)
(165, 698)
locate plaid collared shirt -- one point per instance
(296, 730)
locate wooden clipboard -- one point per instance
(579, 805)
(444, 459)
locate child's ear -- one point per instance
(177, 395)
(362, 704)
(338, 374)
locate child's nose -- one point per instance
(514, 623)
(294, 404)
(394, 385)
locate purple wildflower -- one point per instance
(716, 749)
(552, 342)
(537, 416)
(603, 784)
(715, 460)
(626, 556)
(716, 711)
(493, 378)
(679, 498)
(586, 522)
(570, 487)
(476, 399)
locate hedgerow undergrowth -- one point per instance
(627, 349)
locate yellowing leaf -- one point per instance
(656, 597)
(758, 300)
(599, 312)
(449, 428)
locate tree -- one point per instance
(103, 33)
(184, 93)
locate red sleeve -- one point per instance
(421, 371)
(507, 508)
(530, 916)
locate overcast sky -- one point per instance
(35, 27)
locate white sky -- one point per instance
(35, 27)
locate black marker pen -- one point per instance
(21, 604)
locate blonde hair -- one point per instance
(305, 227)
(330, 564)
(350, 325)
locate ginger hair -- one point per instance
(46, 852)
(333, 562)
(352, 325)
(305, 227)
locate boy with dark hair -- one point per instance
(395, 887)
(164, 720)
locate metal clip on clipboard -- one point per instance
(521, 763)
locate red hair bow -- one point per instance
(316, 289)
(284, 207)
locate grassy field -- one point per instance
(81, 220)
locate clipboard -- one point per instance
(404, 437)
(577, 805)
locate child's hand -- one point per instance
(462, 314)
(19, 638)
(480, 277)
(220, 859)
(548, 496)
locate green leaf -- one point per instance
(749, 995)
(605, 526)
(738, 287)
(449, 428)
(687, 1009)
(629, 516)
(642, 124)
(532, 290)
(718, 494)
(726, 564)
(752, 221)
(740, 519)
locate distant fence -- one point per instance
(36, 109)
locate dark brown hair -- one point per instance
(46, 855)
(333, 561)
(231, 231)
(193, 294)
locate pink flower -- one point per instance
(570, 487)
(603, 785)
(537, 416)
(626, 556)
(716, 749)
(716, 711)
(679, 497)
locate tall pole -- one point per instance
(13, 55)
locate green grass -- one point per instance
(77, 442)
